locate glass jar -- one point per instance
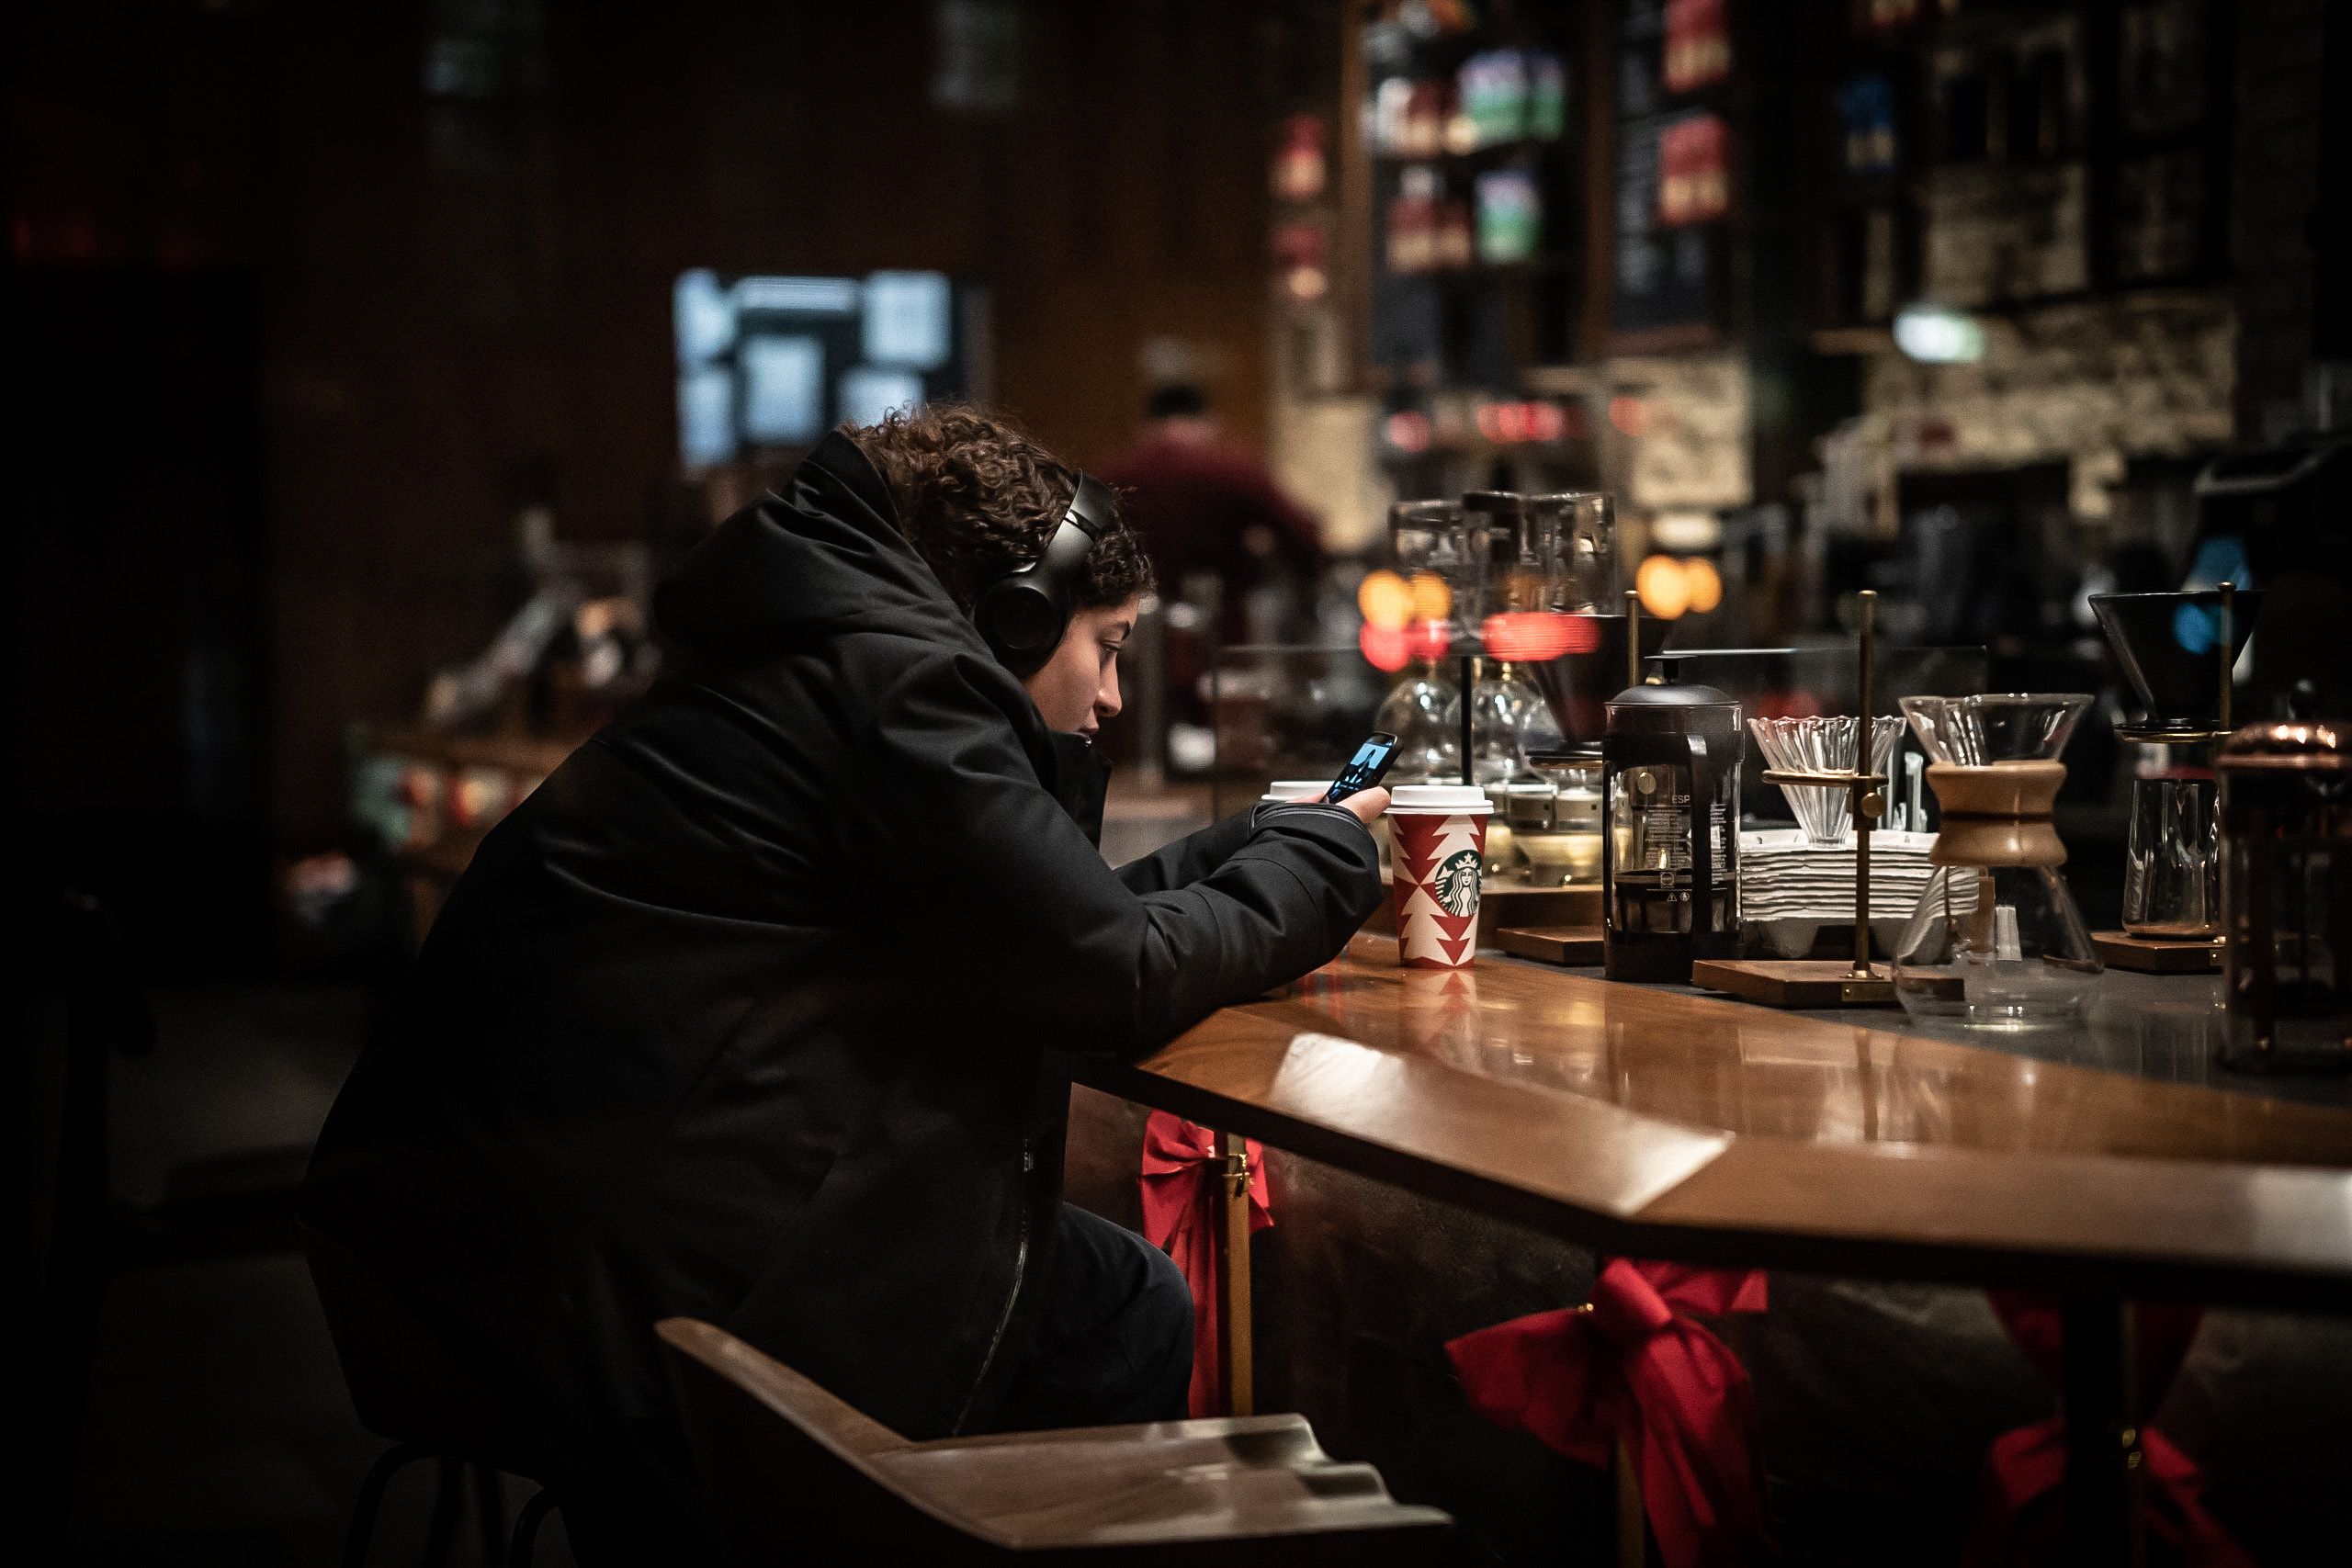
(1440, 552)
(1576, 535)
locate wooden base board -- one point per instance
(2122, 950)
(1552, 944)
(1504, 904)
(1794, 982)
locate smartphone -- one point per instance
(1365, 769)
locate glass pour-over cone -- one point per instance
(1996, 939)
(1816, 746)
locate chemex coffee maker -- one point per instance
(1996, 940)
(2177, 650)
(1670, 859)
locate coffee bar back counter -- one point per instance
(1451, 1148)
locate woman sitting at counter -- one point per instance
(744, 1014)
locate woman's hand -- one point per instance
(1367, 803)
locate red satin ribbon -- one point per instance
(2020, 1519)
(1183, 1185)
(1632, 1367)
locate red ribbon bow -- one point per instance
(2018, 1519)
(1631, 1366)
(1183, 1177)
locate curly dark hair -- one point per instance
(977, 497)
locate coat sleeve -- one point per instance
(1189, 859)
(1034, 931)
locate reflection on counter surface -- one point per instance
(1725, 1066)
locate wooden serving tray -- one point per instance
(1553, 944)
(1796, 982)
(2146, 955)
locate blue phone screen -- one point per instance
(1362, 768)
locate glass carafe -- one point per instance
(2168, 647)
(1501, 706)
(1996, 939)
(1424, 712)
(2171, 875)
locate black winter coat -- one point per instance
(743, 1013)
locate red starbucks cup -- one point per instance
(1439, 832)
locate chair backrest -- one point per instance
(786, 1467)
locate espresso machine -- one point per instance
(2176, 651)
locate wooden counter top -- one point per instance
(1652, 1121)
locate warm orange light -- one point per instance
(1705, 583)
(1432, 599)
(1384, 646)
(1628, 414)
(1386, 601)
(1664, 587)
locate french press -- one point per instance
(2287, 884)
(1669, 860)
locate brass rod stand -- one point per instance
(1806, 983)
(1866, 800)
(1633, 639)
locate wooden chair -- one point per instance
(793, 1475)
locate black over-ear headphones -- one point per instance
(1024, 614)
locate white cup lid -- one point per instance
(1467, 800)
(1292, 789)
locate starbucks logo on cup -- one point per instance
(1456, 882)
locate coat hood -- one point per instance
(825, 557)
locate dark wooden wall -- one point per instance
(461, 290)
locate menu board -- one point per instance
(1666, 276)
(1673, 167)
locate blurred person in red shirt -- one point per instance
(1224, 540)
(1206, 508)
